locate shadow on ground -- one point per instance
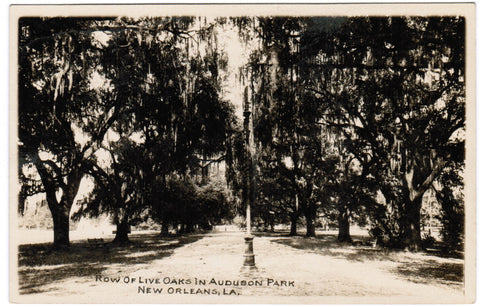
(327, 245)
(40, 266)
(424, 267)
(446, 273)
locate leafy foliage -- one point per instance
(355, 118)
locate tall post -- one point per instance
(249, 256)
(248, 218)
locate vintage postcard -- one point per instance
(281, 154)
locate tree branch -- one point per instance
(48, 181)
(428, 181)
(210, 161)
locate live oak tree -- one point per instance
(392, 87)
(83, 82)
(325, 79)
(429, 108)
(62, 119)
(141, 65)
(285, 116)
(63, 115)
(402, 100)
(449, 193)
(355, 116)
(186, 124)
(196, 205)
(119, 189)
(167, 70)
(275, 196)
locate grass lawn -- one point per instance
(40, 266)
(424, 267)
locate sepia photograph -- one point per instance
(242, 154)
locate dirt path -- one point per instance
(282, 270)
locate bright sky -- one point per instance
(237, 56)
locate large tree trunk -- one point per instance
(344, 227)
(205, 170)
(293, 224)
(60, 210)
(310, 227)
(310, 215)
(61, 229)
(294, 218)
(164, 231)
(410, 225)
(190, 228)
(416, 184)
(61, 213)
(121, 237)
(182, 228)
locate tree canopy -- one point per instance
(354, 119)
